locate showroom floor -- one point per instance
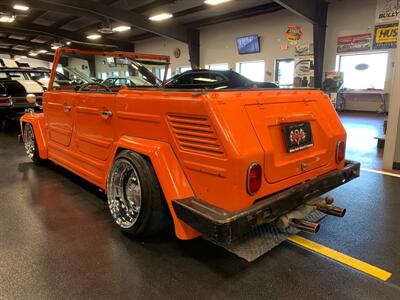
(362, 128)
(57, 240)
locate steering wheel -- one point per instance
(86, 85)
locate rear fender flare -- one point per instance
(169, 173)
(37, 122)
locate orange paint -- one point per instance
(200, 144)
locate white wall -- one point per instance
(80, 64)
(163, 46)
(350, 17)
(218, 42)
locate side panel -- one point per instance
(169, 173)
(37, 121)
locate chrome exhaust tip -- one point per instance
(304, 225)
(333, 211)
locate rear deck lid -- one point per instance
(295, 136)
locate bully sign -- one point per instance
(387, 11)
(386, 36)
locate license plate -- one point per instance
(297, 136)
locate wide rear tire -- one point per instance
(135, 199)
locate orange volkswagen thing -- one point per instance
(218, 163)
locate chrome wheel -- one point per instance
(124, 193)
(29, 141)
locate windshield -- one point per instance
(107, 73)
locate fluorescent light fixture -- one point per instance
(215, 2)
(42, 51)
(93, 36)
(7, 19)
(121, 28)
(161, 17)
(22, 57)
(21, 7)
(55, 47)
(33, 54)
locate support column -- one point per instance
(319, 53)
(194, 48)
(392, 140)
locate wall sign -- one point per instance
(386, 36)
(387, 11)
(304, 65)
(352, 43)
(294, 34)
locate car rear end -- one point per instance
(18, 95)
(283, 149)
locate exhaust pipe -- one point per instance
(333, 210)
(304, 225)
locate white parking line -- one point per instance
(380, 172)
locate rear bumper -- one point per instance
(221, 226)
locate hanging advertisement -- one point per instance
(386, 36)
(387, 11)
(353, 43)
(294, 34)
(304, 66)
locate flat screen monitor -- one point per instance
(248, 44)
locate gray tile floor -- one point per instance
(57, 241)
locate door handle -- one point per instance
(67, 107)
(105, 114)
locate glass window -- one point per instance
(253, 70)
(17, 75)
(180, 70)
(216, 77)
(284, 72)
(364, 71)
(218, 67)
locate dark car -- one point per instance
(22, 88)
(213, 79)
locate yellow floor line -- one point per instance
(340, 257)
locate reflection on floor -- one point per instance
(361, 129)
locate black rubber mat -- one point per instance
(264, 238)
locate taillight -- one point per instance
(5, 101)
(254, 175)
(340, 151)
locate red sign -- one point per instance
(354, 43)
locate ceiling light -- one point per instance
(105, 30)
(56, 45)
(215, 2)
(21, 7)
(33, 54)
(7, 18)
(23, 57)
(42, 51)
(161, 17)
(68, 43)
(93, 36)
(121, 28)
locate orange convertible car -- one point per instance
(217, 162)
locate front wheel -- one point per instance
(30, 144)
(135, 199)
